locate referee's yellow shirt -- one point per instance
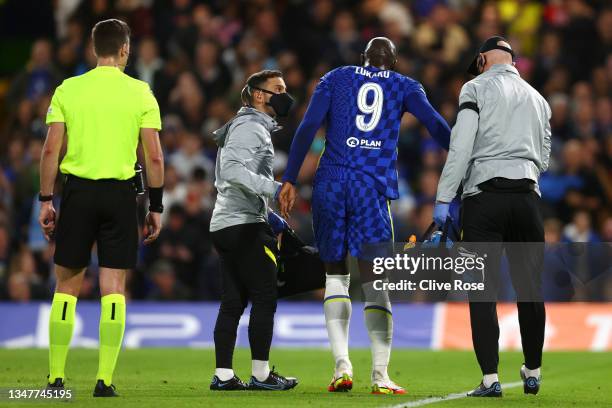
(104, 110)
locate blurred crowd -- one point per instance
(196, 55)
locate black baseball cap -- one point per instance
(488, 45)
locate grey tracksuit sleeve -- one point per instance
(241, 147)
(547, 143)
(461, 146)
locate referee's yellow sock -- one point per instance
(61, 323)
(112, 325)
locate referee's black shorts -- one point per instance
(97, 211)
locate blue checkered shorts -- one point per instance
(347, 214)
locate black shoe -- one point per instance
(274, 382)
(481, 391)
(531, 385)
(233, 384)
(58, 384)
(103, 390)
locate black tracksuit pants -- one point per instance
(508, 215)
(248, 272)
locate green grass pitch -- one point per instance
(180, 378)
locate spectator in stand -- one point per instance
(38, 78)
(575, 187)
(549, 56)
(166, 286)
(148, 64)
(210, 70)
(346, 45)
(187, 101)
(178, 243)
(175, 190)
(190, 156)
(580, 230)
(439, 38)
(24, 283)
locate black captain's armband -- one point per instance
(469, 105)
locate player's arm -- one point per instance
(417, 104)
(461, 146)
(312, 121)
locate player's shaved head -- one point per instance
(380, 53)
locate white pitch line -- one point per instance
(449, 397)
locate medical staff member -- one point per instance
(499, 147)
(242, 235)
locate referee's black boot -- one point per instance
(103, 390)
(494, 390)
(58, 384)
(233, 384)
(274, 382)
(531, 385)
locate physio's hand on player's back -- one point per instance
(286, 198)
(152, 227)
(46, 219)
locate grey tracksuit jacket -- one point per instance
(502, 130)
(243, 171)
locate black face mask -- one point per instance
(281, 102)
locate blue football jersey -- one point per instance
(363, 121)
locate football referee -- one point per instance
(101, 115)
(499, 147)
